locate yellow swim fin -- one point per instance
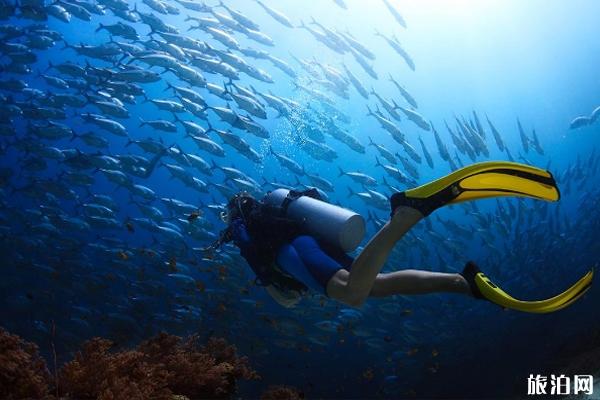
(483, 287)
(480, 181)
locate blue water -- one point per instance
(536, 61)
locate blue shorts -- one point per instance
(312, 263)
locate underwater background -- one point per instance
(108, 195)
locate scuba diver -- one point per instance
(293, 240)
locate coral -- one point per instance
(164, 367)
(23, 373)
(159, 368)
(97, 373)
(280, 392)
(199, 372)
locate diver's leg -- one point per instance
(356, 287)
(290, 261)
(412, 281)
(318, 263)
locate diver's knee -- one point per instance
(338, 289)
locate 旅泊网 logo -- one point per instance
(560, 385)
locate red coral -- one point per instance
(23, 372)
(158, 368)
(209, 371)
(280, 392)
(97, 373)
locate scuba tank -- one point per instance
(335, 225)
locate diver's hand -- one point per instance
(240, 234)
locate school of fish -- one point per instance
(121, 142)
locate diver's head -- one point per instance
(239, 206)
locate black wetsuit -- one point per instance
(268, 231)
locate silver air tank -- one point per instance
(335, 225)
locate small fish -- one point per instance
(193, 216)
(580, 122)
(395, 13)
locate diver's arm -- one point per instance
(248, 250)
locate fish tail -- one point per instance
(176, 118)
(385, 182)
(210, 128)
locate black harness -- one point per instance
(295, 195)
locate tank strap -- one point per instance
(295, 195)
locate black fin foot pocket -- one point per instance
(469, 272)
(399, 199)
